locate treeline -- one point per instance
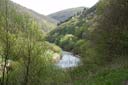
(24, 57)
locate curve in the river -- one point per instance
(68, 60)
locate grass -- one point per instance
(103, 77)
(109, 77)
(115, 73)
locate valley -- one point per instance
(76, 46)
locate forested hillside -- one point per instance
(99, 36)
(46, 23)
(72, 34)
(64, 15)
(31, 46)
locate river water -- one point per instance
(68, 60)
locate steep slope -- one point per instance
(46, 23)
(73, 31)
(63, 15)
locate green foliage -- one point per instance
(111, 30)
(67, 42)
(100, 40)
(109, 77)
(101, 6)
(53, 47)
(22, 43)
(69, 33)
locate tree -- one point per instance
(7, 46)
(111, 33)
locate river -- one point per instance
(68, 60)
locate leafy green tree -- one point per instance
(110, 35)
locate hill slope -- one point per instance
(63, 15)
(75, 28)
(46, 23)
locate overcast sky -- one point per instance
(50, 6)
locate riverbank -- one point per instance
(114, 73)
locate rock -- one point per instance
(56, 58)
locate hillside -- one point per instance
(88, 48)
(45, 22)
(99, 36)
(25, 58)
(76, 26)
(63, 15)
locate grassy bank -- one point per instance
(114, 73)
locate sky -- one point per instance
(50, 6)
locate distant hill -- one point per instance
(45, 22)
(63, 15)
(75, 28)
